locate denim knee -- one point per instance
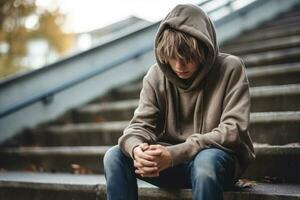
(112, 156)
(211, 165)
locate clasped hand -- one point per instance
(149, 160)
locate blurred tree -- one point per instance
(21, 21)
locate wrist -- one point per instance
(133, 151)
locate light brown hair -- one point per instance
(174, 44)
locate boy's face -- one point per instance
(182, 69)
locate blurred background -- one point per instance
(35, 33)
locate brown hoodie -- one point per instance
(210, 111)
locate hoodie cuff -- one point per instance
(129, 145)
(179, 152)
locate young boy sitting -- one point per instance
(190, 129)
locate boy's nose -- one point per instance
(179, 64)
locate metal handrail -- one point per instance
(43, 97)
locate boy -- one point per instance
(190, 129)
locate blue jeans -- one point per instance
(209, 173)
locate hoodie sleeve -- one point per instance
(142, 127)
(233, 126)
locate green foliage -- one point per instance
(15, 33)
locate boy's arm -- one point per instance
(143, 124)
(233, 126)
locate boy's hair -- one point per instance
(173, 44)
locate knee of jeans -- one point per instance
(204, 173)
(208, 164)
(112, 156)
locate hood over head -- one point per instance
(192, 20)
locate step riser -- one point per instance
(104, 116)
(279, 79)
(279, 60)
(14, 193)
(281, 166)
(262, 36)
(283, 22)
(121, 95)
(52, 163)
(284, 167)
(276, 103)
(87, 138)
(275, 133)
(238, 52)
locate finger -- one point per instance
(141, 166)
(138, 171)
(155, 146)
(153, 152)
(137, 165)
(143, 155)
(144, 146)
(146, 163)
(149, 170)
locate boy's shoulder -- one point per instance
(154, 74)
(230, 63)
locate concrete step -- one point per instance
(108, 111)
(272, 57)
(261, 46)
(279, 26)
(104, 133)
(292, 13)
(53, 159)
(283, 20)
(125, 92)
(255, 35)
(275, 98)
(264, 98)
(128, 92)
(276, 128)
(279, 74)
(281, 162)
(67, 186)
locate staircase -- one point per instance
(63, 159)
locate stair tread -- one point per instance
(257, 35)
(272, 90)
(275, 116)
(273, 69)
(116, 105)
(99, 126)
(293, 148)
(270, 55)
(64, 181)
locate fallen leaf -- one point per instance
(245, 183)
(77, 169)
